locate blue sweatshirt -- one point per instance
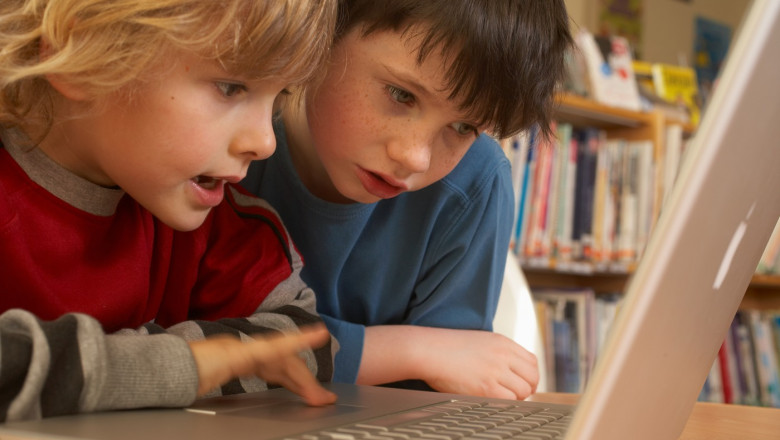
(433, 257)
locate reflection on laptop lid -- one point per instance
(675, 315)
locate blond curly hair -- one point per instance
(105, 45)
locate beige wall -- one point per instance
(667, 25)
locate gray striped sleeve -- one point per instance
(69, 365)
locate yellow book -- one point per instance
(643, 71)
(678, 85)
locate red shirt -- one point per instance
(129, 268)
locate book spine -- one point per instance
(526, 196)
(519, 148)
(566, 236)
(644, 195)
(736, 367)
(629, 205)
(725, 378)
(766, 360)
(539, 203)
(746, 353)
(561, 193)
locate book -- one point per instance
(587, 160)
(549, 231)
(713, 387)
(607, 306)
(612, 233)
(568, 175)
(678, 85)
(574, 335)
(765, 358)
(629, 205)
(746, 354)
(566, 350)
(736, 373)
(603, 204)
(643, 72)
(576, 78)
(725, 374)
(517, 148)
(645, 185)
(544, 320)
(526, 192)
(611, 78)
(537, 221)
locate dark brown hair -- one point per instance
(505, 57)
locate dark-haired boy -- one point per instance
(400, 204)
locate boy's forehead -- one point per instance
(426, 73)
(440, 57)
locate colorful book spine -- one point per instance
(524, 203)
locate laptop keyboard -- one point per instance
(455, 420)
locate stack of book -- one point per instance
(601, 66)
(587, 203)
(573, 327)
(746, 369)
(574, 324)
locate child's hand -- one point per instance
(474, 362)
(480, 363)
(273, 358)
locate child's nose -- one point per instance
(255, 140)
(412, 151)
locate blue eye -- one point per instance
(400, 95)
(464, 129)
(230, 89)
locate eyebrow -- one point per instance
(420, 90)
(410, 80)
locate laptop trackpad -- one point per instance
(296, 411)
(279, 409)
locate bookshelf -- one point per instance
(764, 290)
(578, 286)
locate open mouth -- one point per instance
(206, 182)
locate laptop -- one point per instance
(676, 312)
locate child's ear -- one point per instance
(68, 89)
(61, 83)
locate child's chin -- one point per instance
(186, 223)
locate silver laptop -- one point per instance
(675, 315)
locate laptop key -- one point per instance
(453, 435)
(434, 424)
(453, 406)
(436, 436)
(523, 411)
(415, 432)
(488, 436)
(398, 419)
(358, 433)
(534, 436)
(398, 435)
(338, 435)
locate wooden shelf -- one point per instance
(619, 123)
(583, 112)
(763, 292)
(766, 281)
